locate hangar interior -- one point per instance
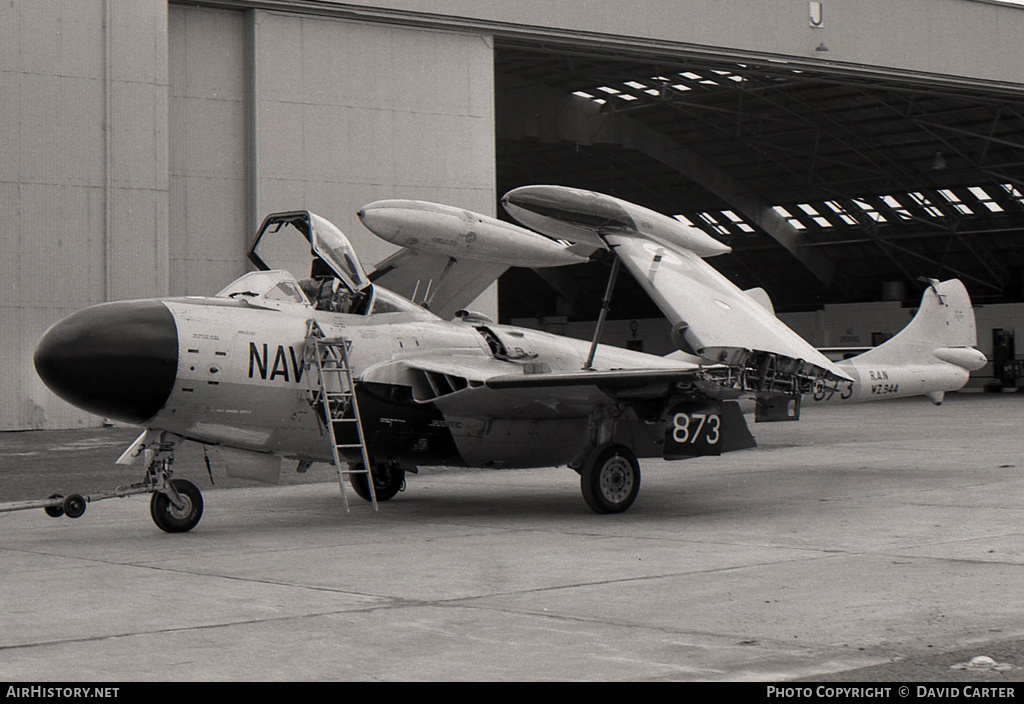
(840, 166)
(832, 186)
(827, 185)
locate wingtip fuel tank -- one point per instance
(582, 216)
(456, 232)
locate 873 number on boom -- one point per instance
(687, 428)
(693, 429)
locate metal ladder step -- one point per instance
(334, 383)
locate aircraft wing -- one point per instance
(450, 255)
(709, 314)
(490, 387)
(442, 284)
(718, 320)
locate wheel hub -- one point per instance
(616, 479)
(185, 509)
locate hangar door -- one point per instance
(275, 111)
(209, 223)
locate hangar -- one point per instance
(844, 150)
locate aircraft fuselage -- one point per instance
(225, 371)
(240, 380)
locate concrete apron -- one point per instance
(856, 537)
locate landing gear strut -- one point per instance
(177, 504)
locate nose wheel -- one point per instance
(179, 508)
(176, 505)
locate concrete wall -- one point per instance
(210, 223)
(83, 175)
(349, 113)
(275, 111)
(143, 143)
(973, 39)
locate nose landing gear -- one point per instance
(176, 505)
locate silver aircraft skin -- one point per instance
(438, 385)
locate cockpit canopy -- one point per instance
(319, 256)
(307, 245)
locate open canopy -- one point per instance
(307, 245)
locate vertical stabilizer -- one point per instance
(943, 329)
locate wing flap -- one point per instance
(619, 379)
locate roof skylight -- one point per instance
(922, 200)
(954, 199)
(1014, 191)
(982, 195)
(841, 212)
(871, 211)
(896, 206)
(827, 214)
(789, 218)
(711, 220)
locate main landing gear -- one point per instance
(610, 478)
(388, 480)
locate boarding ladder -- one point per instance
(335, 392)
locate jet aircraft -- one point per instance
(309, 358)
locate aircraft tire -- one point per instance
(172, 520)
(55, 511)
(387, 482)
(610, 478)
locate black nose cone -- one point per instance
(117, 360)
